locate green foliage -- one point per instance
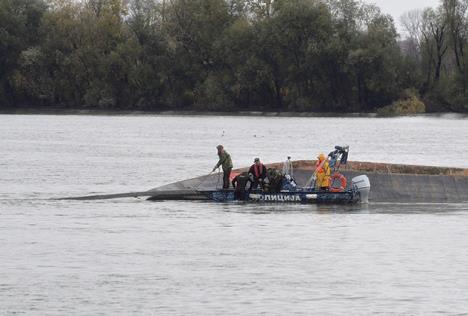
(227, 55)
(19, 24)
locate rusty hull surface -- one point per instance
(383, 168)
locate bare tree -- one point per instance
(434, 31)
(412, 24)
(455, 14)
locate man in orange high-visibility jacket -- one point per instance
(322, 172)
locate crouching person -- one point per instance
(240, 186)
(257, 174)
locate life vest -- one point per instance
(233, 175)
(322, 167)
(258, 169)
(317, 165)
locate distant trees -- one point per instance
(438, 39)
(19, 34)
(282, 55)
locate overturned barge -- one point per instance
(391, 183)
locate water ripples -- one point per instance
(130, 256)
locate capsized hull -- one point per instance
(390, 183)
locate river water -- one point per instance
(130, 256)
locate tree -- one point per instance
(455, 15)
(19, 24)
(300, 55)
(435, 26)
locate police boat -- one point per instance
(281, 188)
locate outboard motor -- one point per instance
(362, 184)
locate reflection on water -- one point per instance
(373, 208)
(130, 256)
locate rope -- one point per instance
(197, 187)
(219, 178)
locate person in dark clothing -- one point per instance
(257, 174)
(240, 185)
(226, 162)
(239, 179)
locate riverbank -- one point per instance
(97, 112)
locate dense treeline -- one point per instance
(281, 55)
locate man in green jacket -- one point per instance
(226, 162)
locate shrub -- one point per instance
(408, 104)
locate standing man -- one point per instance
(288, 168)
(226, 162)
(322, 172)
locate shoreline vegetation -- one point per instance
(111, 112)
(289, 57)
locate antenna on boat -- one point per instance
(338, 157)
